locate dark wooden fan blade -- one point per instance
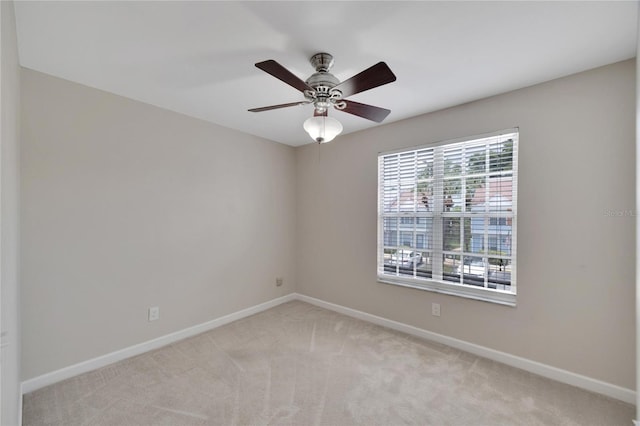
(374, 76)
(267, 108)
(369, 112)
(283, 74)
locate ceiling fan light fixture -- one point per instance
(322, 129)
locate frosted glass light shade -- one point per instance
(322, 129)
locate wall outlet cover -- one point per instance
(154, 313)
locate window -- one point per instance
(447, 217)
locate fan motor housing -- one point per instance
(322, 79)
(322, 83)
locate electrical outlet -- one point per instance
(279, 281)
(154, 313)
(435, 309)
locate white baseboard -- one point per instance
(101, 361)
(557, 374)
(564, 376)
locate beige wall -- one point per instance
(127, 206)
(637, 220)
(9, 200)
(576, 264)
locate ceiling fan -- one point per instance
(324, 90)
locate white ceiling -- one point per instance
(197, 58)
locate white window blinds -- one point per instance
(447, 217)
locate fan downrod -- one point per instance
(322, 62)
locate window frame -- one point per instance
(438, 214)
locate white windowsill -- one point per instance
(482, 294)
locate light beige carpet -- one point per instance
(297, 364)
